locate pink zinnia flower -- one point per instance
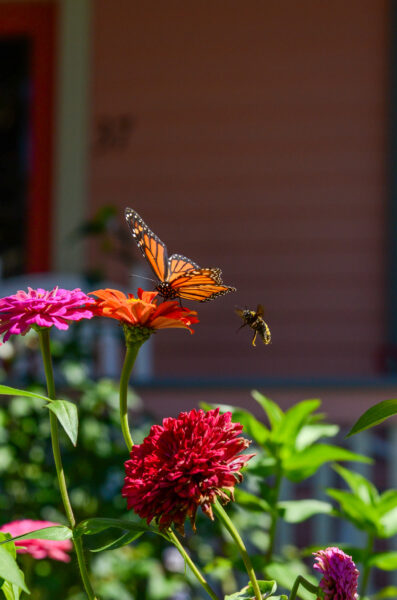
(19, 312)
(340, 575)
(38, 548)
(185, 463)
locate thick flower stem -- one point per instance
(130, 356)
(314, 589)
(44, 338)
(367, 568)
(226, 521)
(191, 564)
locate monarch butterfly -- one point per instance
(255, 320)
(179, 277)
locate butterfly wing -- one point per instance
(192, 282)
(200, 284)
(152, 248)
(178, 265)
(178, 274)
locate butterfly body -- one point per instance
(254, 319)
(179, 277)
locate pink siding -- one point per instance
(258, 146)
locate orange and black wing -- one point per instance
(200, 284)
(152, 248)
(179, 265)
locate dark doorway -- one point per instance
(14, 152)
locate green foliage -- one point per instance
(6, 390)
(364, 507)
(267, 589)
(56, 532)
(66, 413)
(286, 573)
(126, 562)
(290, 443)
(374, 415)
(12, 579)
(94, 469)
(296, 511)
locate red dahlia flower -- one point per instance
(58, 307)
(143, 311)
(56, 550)
(340, 575)
(185, 463)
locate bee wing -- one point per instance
(260, 311)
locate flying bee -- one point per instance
(254, 319)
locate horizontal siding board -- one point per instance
(258, 145)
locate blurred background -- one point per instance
(259, 137)
(253, 136)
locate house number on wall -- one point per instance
(113, 132)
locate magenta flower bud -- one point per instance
(339, 572)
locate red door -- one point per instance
(27, 35)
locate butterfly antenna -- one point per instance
(143, 277)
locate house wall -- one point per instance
(252, 136)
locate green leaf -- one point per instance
(121, 541)
(387, 592)
(303, 464)
(98, 524)
(251, 502)
(10, 391)
(286, 573)
(66, 413)
(252, 428)
(6, 537)
(262, 466)
(359, 485)
(389, 523)
(386, 502)
(9, 570)
(296, 511)
(55, 532)
(356, 511)
(11, 591)
(287, 429)
(272, 410)
(374, 415)
(387, 561)
(247, 593)
(311, 433)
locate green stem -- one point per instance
(191, 564)
(314, 589)
(274, 518)
(367, 568)
(131, 354)
(226, 521)
(44, 337)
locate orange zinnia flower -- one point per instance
(142, 311)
